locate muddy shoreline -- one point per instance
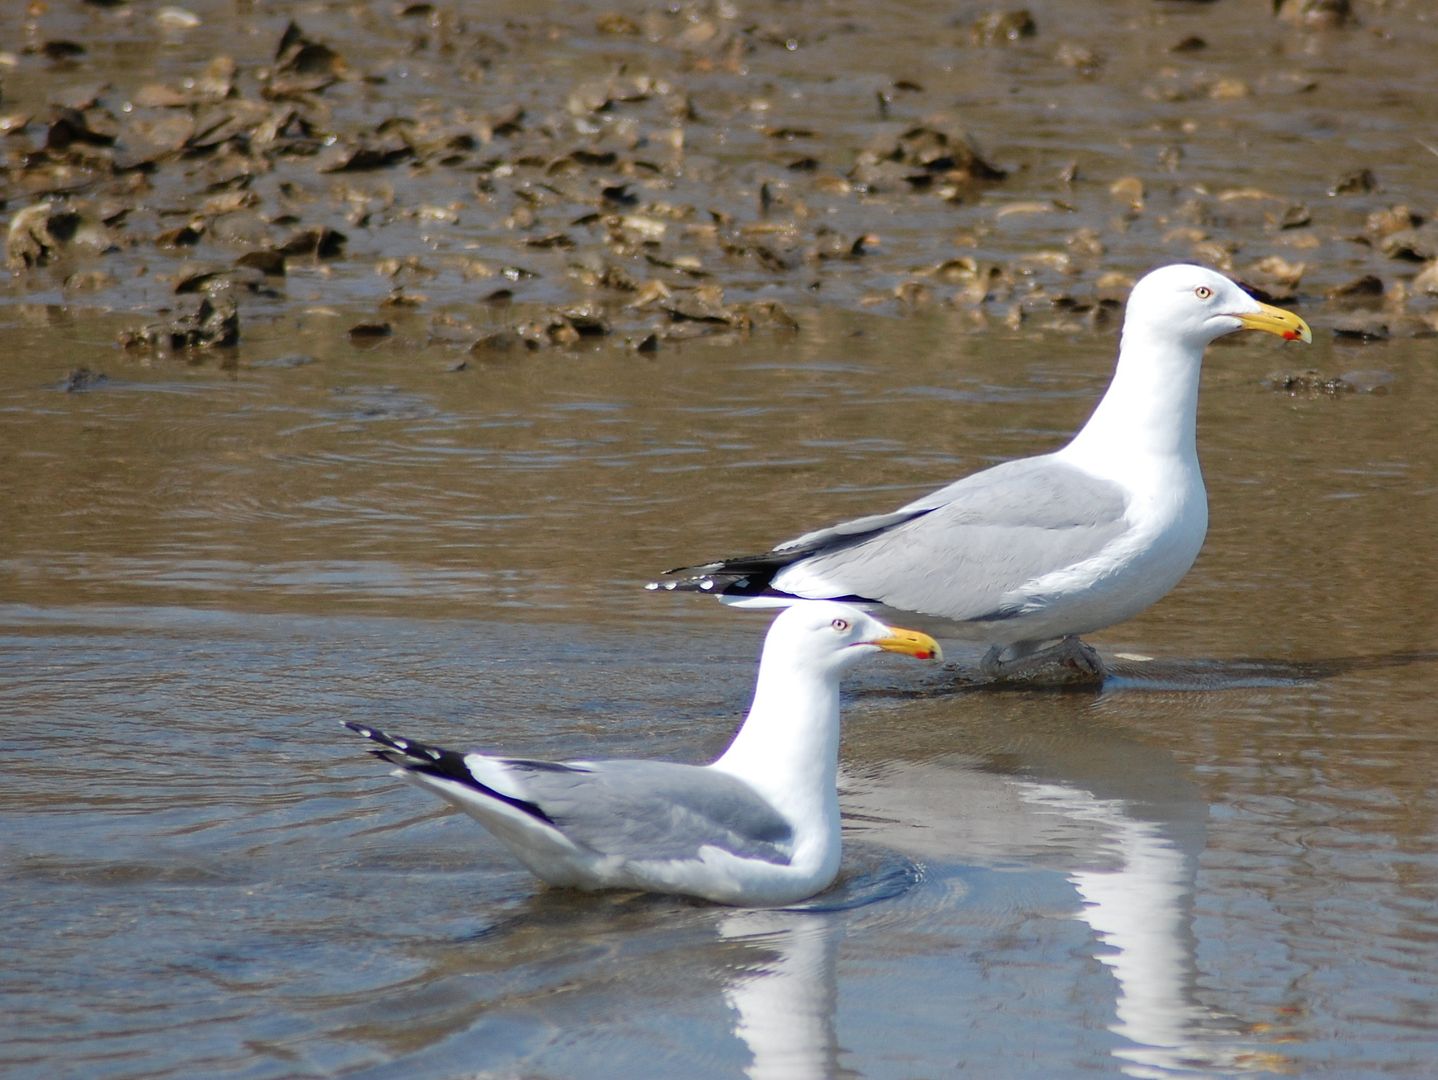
(507, 180)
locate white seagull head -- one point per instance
(830, 636)
(1195, 305)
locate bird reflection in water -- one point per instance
(785, 1004)
(1126, 827)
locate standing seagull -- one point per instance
(1029, 554)
(760, 826)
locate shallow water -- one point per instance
(1223, 863)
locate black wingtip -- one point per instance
(741, 582)
(689, 584)
(411, 753)
(753, 575)
(367, 732)
(418, 757)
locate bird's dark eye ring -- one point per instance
(840, 625)
(1203, 292)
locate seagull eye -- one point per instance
(840, 625)
(1203, 292)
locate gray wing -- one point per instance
(654, 809)
(968, 551)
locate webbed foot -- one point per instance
(1067, 662)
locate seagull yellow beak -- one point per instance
(1274, 320)
(913, 643)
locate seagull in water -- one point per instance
(758, 827)
(1029, 554)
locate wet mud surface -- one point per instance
(498, 178)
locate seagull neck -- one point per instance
(1150, 408)
(788, 746)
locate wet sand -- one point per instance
(497, 180)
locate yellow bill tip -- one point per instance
(913, 643)
(1276, 320)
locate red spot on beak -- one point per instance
(1290, 335)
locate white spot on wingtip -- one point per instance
(401, 744)
(434, 755)
(652, 586)
(707, 584)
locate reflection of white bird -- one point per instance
(1029, 554)
(758, 826)
(785, 1007)
(1127, 828)
(1142, 910)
